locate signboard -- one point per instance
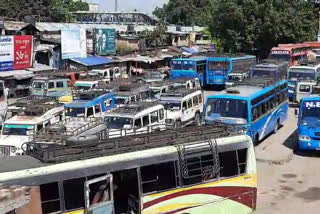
(73, 43)
(6, 53)
(312, 104)
(105, 41)
(280, 52)
(22, 52)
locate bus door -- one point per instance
(99, 195)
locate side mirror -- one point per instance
(296, 112)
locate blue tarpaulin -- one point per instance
(92, 60)
(190, 50)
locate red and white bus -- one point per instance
(292, 53)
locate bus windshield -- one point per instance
(222, 108)
(284, 57)
(262, 73)
(117, 122)
(21, 130)
(301, 74)
(311, 116)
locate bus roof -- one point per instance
(269, 63)
(247, 92)
(194, 59)
(30, 171)
(230, 57)
(312, 97)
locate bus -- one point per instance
(268, 68)
(259, 105)
(220, 66)
(304, 71)
(308, 121)
(188, 67)
(292, 53)
(190, 170)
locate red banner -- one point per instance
(22, 52)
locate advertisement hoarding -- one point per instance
(73, 43)
(22, 52)
(105, 41)
(6, 53)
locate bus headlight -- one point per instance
(304, 138)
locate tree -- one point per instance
(43, 10)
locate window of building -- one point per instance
(60, 84)
(50, 198)
(161, 114)
(228, 164)
(50, 85)
(74, 193)
(97, 108)
(158, 177)
(145, 120)
(154, 117)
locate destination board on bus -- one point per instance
(280, 52)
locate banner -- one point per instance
(6, 53)
(22, 52)
(70, 44)
(105, 41)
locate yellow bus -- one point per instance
(189, 170)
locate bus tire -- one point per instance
(197, 119)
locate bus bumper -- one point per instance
(309, 145)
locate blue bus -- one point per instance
(309, 123)
(220, 66)
(90, 104)
(269, 68)
(259, 106)
(303, 71)
(188, 67)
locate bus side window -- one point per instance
(228, 164)
(50, 85)
(50, 198)
(254, 114)
(74, 193)
(60, 84)
(158, 177)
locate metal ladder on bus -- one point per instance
(189, 150)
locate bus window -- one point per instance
(60, 84)
(242, 160)
(228, 164)
(74, 193)
(200, 170)
(154, 117)
(50, 198)
(158, 177)
(50, 85)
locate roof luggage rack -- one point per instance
(53, 153)
(259, 82)
(179, 92)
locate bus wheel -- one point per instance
(276, 128)
(197, 119)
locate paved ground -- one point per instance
(288, 180)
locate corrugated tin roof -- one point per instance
(92, 60)
(14, 26)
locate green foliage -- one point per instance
(246, 25)
(43, 10)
